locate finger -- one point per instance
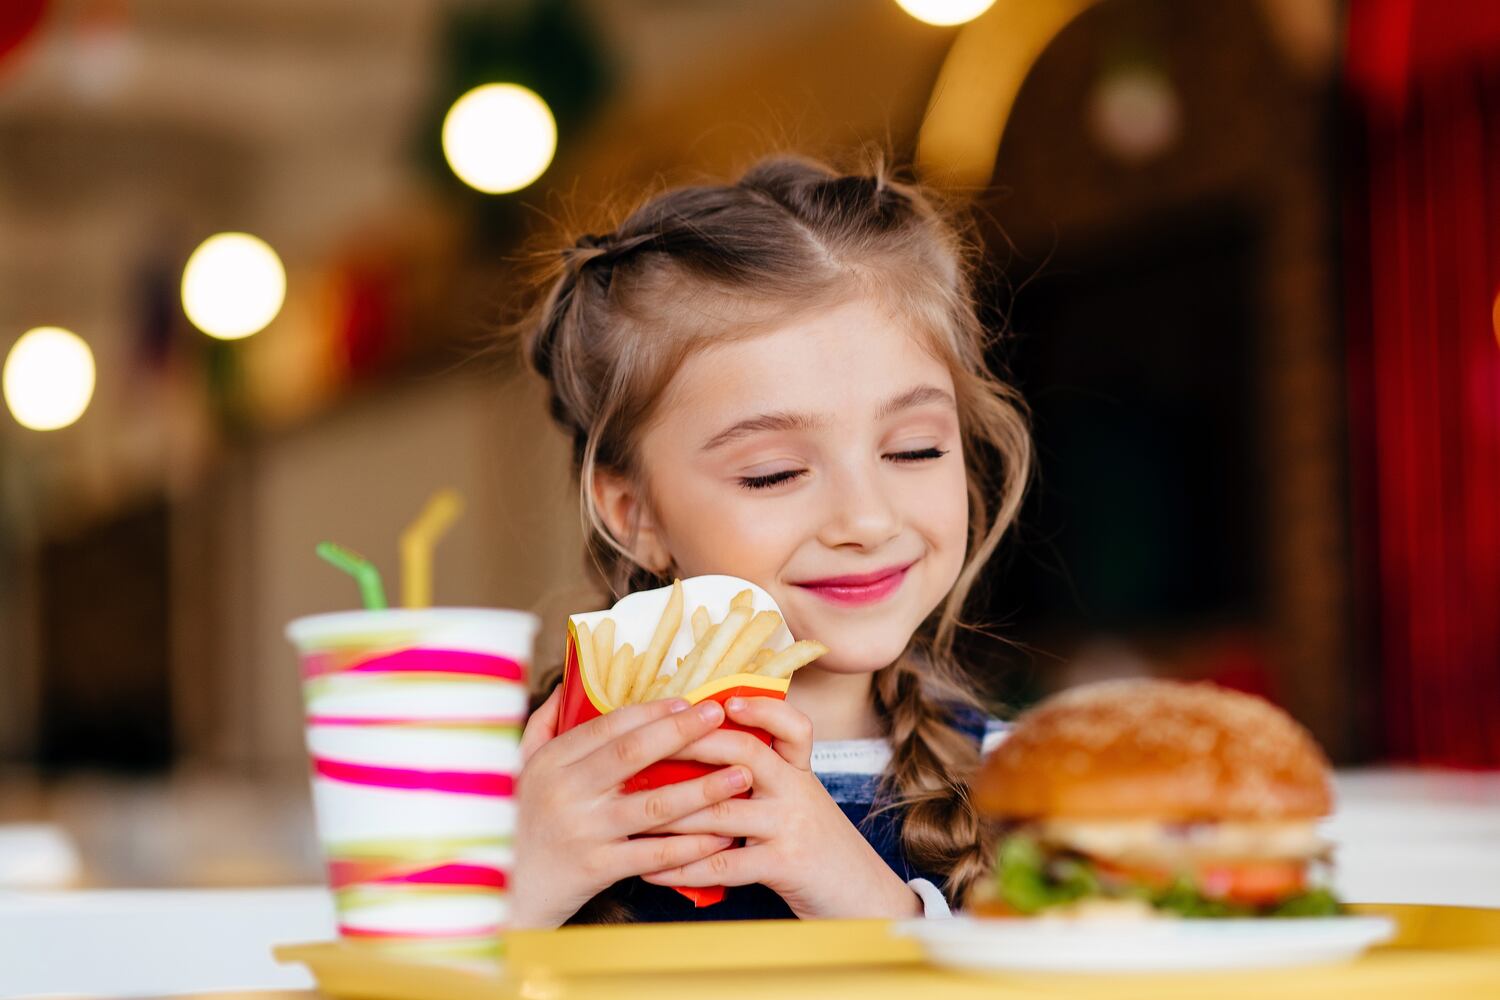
(649, 854)
(542, 725)
(641, 811)
(633, 749)
(723, 747)
(728, 818)
(791, 730)
(737, 866)
(582, 740)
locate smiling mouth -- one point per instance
(858, 588)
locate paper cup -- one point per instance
(635, 617)
(414, 718)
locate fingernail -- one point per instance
(709, 711)
(735, 704)
(679, 705)
(738, 779)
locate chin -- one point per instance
(852, 651)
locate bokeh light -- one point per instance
(233, 285)
(49, 378)
(945, 12)
(499, 137)
(1134, 113)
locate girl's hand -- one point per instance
(574, 823)
(797, 840)
(542, 725)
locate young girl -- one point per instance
(781, 379)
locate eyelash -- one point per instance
(777, 478)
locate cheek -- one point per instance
(941, 514)
(712, 528)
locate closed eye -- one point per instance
(921, 455)
(787, 475)
(770, 479)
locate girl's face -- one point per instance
(823, 462)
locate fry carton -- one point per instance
(739, 641)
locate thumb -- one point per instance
(542, 725)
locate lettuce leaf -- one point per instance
(1183, 898)
(1318, 902)
(1029, 881)
(1026, 884)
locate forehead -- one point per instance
(844, 361)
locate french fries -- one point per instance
(734, 644)
(617, 680)
(649, 664)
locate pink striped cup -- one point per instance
(414, 719)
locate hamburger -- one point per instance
(1156, 798)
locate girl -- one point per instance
(781, 379)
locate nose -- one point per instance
(861, 511)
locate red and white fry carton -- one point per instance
(636, 617)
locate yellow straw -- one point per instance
(417, 542)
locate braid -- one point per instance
(931, 764)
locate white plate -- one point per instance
(1148, 946)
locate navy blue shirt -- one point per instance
(855, 790)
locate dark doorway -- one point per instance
(1137, 357)
(105, 647)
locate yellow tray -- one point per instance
(1452, 952)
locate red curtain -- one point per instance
(1423, 257)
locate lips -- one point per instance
(858, 588)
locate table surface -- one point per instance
(1405, 836)
(1437, 951)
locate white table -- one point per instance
(1404, 836)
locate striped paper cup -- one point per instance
(414, 720)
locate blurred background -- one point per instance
(1248, 253)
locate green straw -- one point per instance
(364, 573)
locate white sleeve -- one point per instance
(995, 733)
(933, 903)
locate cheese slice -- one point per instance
(1145, 842)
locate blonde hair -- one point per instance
(700, 263)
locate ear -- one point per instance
(628, 515)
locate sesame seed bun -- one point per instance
(1152, 749)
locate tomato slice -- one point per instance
(1253, 882)
(1121, 874)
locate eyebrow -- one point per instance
(920, 396)
(783, 421)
